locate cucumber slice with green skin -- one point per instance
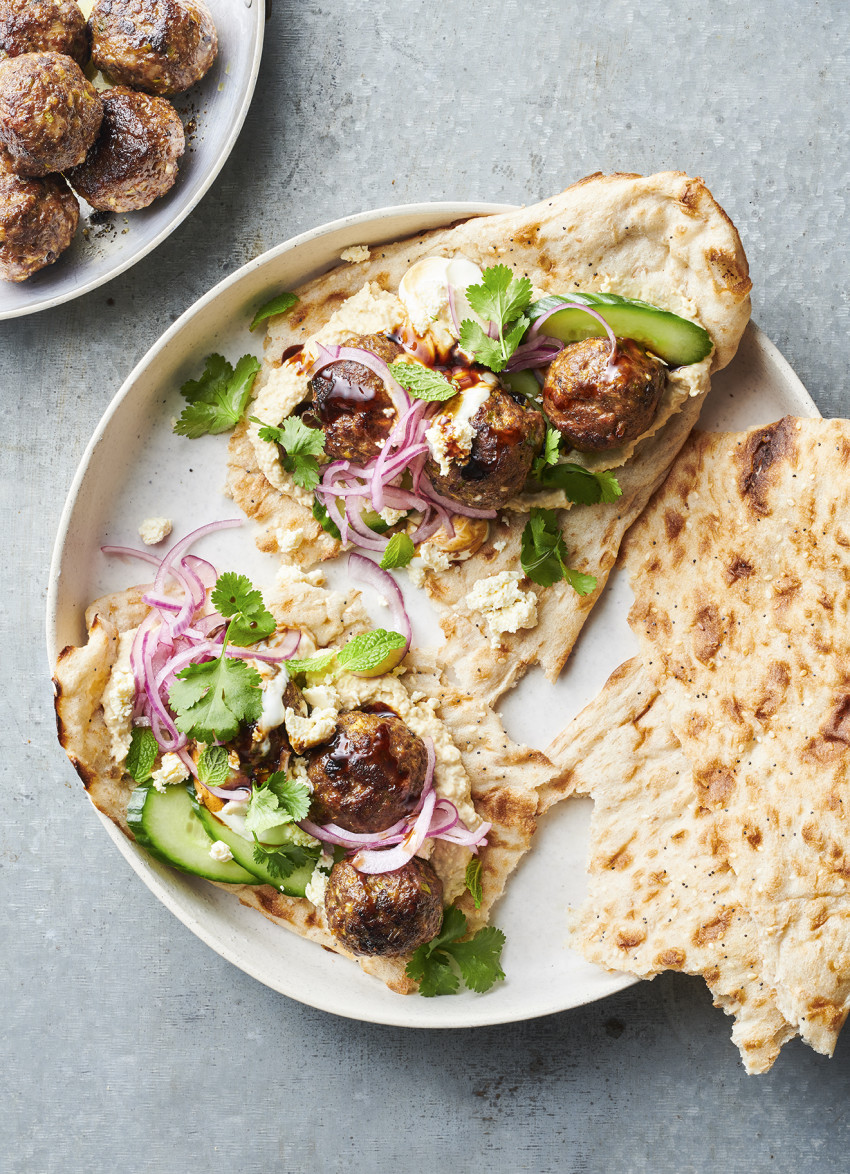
(675, 340)
(166, 826)
(522, 382)
(294, 885)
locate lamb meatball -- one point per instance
(385, 914)
(369, 775)
(49, 113)
(38, 219)
(599, 405)
(134, 160)
(352, 404)
(507, 436)
(56, 26)
(159, 46)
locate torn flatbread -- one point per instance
(659, 896)
(741, 573)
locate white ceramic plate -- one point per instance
(135, 467)
(214, 110)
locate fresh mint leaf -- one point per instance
(239, 601)
(472, 880)
(218, 398)
(423, 382)
(302, 448)
(312, 664)
(282, 862)
(399, 551)
(320, 513)
(212, 700)
(277, 305)
(214, 767)
(368, 652)
(478, 959)
(544, 555)
(142, 754)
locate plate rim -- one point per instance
(452, 210)
(70, 295)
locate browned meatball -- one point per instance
(159, 46)
(30, 26)
(134, 160)
(38, 219)
(49, 113)
(386, 914)
(599, 405)
(507, 436)
(370, 775)
(352, 404)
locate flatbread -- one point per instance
(741, 573)
(662, 238)
(504, 776)
(659, 897)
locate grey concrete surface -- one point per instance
(126, 1044)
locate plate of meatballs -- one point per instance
(115, 118)
(166, 475)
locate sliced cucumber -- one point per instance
(523, 382)
(675, 340)
(167, 826)
(294, 885)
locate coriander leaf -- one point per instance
(214, 767)
(293, 798)
(263, 811)
(212, 700)
(433, 972)
(400, 550)
(218, 398)
(579, 484)
(472, 880)
(479, 959)
(513, 337)
(475, 341)
(501, 297)
(366, 653)
(142, 754)
(544, 555)
(551, 451)
(278, 305)
(312, 664)
(423, 382)
(453, 927)
(320, 513)
(302, 448)
(240, 602)
(281, 862)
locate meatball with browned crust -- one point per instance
(352, 404)
(159, 46)
(38, 219)
(134, 160)
(32, 26)
(600, 404)
(507, 436)
(49, 113)
(369, 775)
(385, 914)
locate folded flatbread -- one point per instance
(504, 776)
(661, 894)
(741, 573)
(663, 239)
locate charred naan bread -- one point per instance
(741, 573)
(663, 239)
(661, 894)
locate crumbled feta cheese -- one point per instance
(392, 516)
(305, 732)
(171, 770)
(233, 815)
(119, 699)
(354, 254)
(500, 544)
(289, 540)
(220, 852)
(451, 434)
(434, 558)
(154, 530)
(318, 882)
(321, 697)
(298, 771)
(503, 605)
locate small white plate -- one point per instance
(135, 467)
(213, 112)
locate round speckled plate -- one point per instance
(212, 112)
(159, 473)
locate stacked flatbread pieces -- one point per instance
(720, 765)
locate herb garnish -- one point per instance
(399, 551)
(422, 382)
(434, 965)
(544, 554)
(214, 766)
(279, 800)
(281, 862)
(235, 597)
(320, 513)
(302, 447)
(367, 652)
(218, 398)
(142, 754)
(472, 880)
(500, 299)
(277, 305)
(582, 486)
